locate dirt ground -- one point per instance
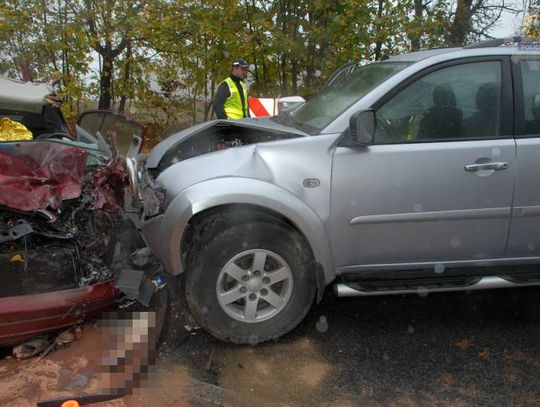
(437, 350)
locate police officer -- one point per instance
(231, 101)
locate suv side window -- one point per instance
(458, 102)
(530, 74)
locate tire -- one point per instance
(233, 249)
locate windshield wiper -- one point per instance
(284, 117)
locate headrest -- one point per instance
(443, 95)
(487, 97)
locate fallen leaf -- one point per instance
(464, 344)
(16, 258)
(484, 354)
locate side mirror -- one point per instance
(362, 127)
(290, 103)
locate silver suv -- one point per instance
(419, 173)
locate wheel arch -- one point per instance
(205, 199)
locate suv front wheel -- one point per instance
(249, 283)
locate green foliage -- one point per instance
(162, 60)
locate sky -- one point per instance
(508, 24)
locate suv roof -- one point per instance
(498, 46)
(419, 55)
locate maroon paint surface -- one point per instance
(24, 316)
(40, 174)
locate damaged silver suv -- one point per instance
(419, 173)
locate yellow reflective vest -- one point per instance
(234, 109)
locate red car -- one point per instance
(64, 233)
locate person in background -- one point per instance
(231, 101)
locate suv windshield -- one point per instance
(329, 103)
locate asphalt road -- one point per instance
(458, 349)
(440, 349)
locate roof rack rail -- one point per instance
(496, 42)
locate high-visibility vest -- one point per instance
(234, 109)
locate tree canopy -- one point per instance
(161, 60)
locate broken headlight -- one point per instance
(153, 198)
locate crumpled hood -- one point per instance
(234, 162)
(41, 174)
(283, 162)
(264, 124)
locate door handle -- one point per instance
(487, 166)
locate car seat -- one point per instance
(533, 126)
(444, 119)
(484, 122)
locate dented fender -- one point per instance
(165, 232)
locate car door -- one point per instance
(524, 240)
(436, 185)
(103, 121)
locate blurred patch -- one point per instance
(129, 341)
(130, 350)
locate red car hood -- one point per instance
(40, 174)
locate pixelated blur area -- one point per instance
(129, 343)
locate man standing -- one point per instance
(231, 101)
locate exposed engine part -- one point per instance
(137, 286)
(129, 282)
(14, 232)
(33, 264)
(67, 246)
(143, 257)
(51, 218)
(154, 200)
(219, 137)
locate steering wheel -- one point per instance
(56, 135)
(402, 130)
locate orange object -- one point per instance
(70, 403)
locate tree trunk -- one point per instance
(378, 43)
(283, 58)
(294, 76)
(417, 34)
(294, 35)
(461, 25)
(105, 81)
(127, 74)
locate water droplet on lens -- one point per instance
(455, 242)
(439, 268)
(322, 324)
(422, 291)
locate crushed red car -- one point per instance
(65, 238)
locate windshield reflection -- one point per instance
(314, 115)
